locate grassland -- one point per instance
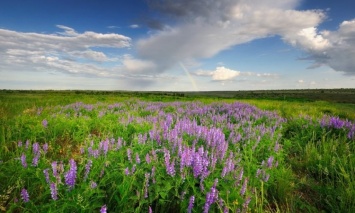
(293, 153)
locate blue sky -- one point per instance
(177, 45)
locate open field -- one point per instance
(85, 151)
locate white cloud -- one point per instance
(332, 48)
(204, 28)
(134, 26)
(223, 74)
(67, 52)
(301, 81)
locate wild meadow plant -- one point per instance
(137, 156)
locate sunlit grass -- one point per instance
(131, 155)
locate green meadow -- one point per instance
(92, 151)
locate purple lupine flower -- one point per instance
(150, 210)
(152, 174)
(82, 150)
(191, 204)
(129, 155)
(35, 159)
(197, 165)
(54, 191)
(24, 195)
(45, 148)
(147, 175)
(46, 175)
(126, 171)
(87, 169)
(133, 168)
(244, 187)
(211, 197)
(103, 209)
(23, 160)
(104, 146)
(269, 161)
(44, 123)
(246, 203)
(27, 144)
(54, 168)
(241, 174)
(19, 144)
(277, 146)
(138, 160)
(70, 176)
(93, 184)
(147, 158)
(266, 177)
(170, 168)
(36, 148)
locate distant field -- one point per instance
(250, 151)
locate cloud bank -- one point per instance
(203, 28)
(67, 51)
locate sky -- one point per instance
(177, 45)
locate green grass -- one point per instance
(315, 172)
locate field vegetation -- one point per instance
(100, 151)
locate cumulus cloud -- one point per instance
(222, 73)
(203, 28)
(331, 48)
(67, 51)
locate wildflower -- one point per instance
(27, 144)
(103, 209)
(87, 169)
(266, 177)
(35, 159)
(54, 168)
(126, 171)
(138, 160)
(244, 187)
(35, 148)
(44, 123)
(147, 175)
(46, 175)
(197, 165)
(211, 197)
(45, 148)
(147, 158)
(191, 204)
(70, 176)
(269, 161)
(104, 146)
(23, 160)
(24, 195)
(246, 203)
(19, 144)
(129, 155)
(93, 184)
(54, 191)
(133, 168)
(150, 210)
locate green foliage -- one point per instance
(315, 172)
